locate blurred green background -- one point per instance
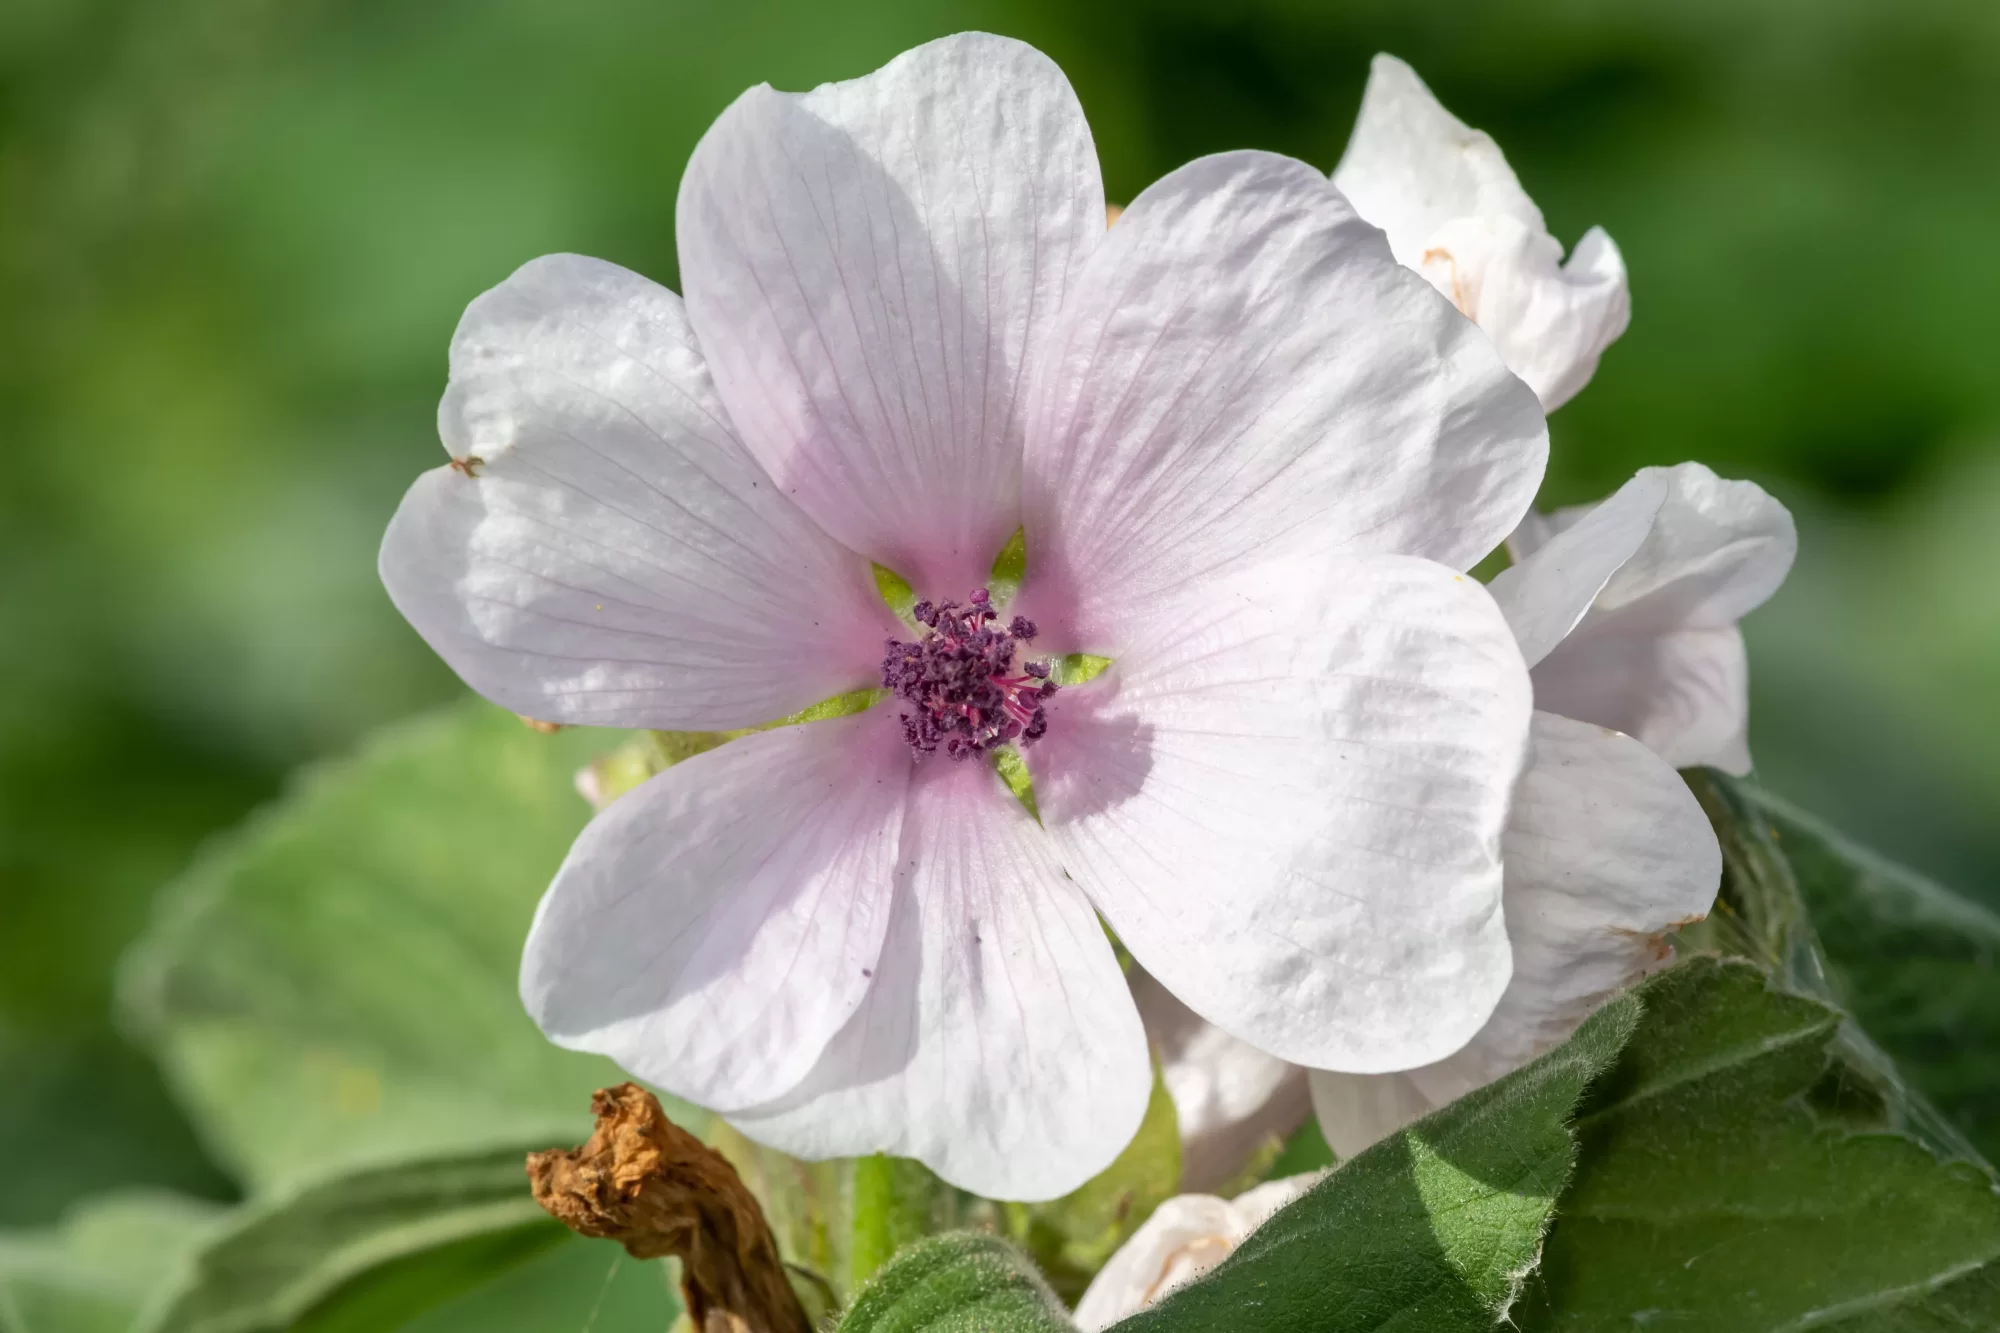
(235, 236)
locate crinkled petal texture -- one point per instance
(605, 551)
(1454, 211)
(713, 929)
(1288, 798)
(998, 1043)
(869, 265)
(1184, 1238)
(1230, 1098)
(1659, 655)
(1241, 372)
(1607, 850)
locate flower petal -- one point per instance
(1242, 372)
(1357, 1111)
(1550, 320)
(869, 265)
(1185, 1237)
(1411, 166)
(1659, 655)
(1717, 551)
(1288, 803)
(1548, 591)
(1686, 694)
(714, 928)
(1607, 850)
(1454, 211)
(1229, 1097)
(999, 1045)
(604, 551)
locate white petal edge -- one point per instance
(1550, 320)
(999, 1044)
(1184, 1238)
(869, 266)
(1242, 372)
(1548, 590)
(1454, 211)
(1288, 802)
(1411, 166)
(1230, 1098)
(1659, 656)
(715, 927)
(1607, 850)
(605, 552)
(1718, 550)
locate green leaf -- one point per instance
(94, 1272)
(335, 984)
(966, 1282)
(1071, 1237)
(1710, 1195)
(1915, 964)
(362, 1251)
(579, 1286)
(1431, 1230)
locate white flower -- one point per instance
(1626, 612)
(1248, 451)
(1184, 1238)
(1455, 212)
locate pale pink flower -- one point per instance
(1627, 612)
(1455, 212)
(1249, 453)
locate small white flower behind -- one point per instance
(1184, 1238)
(1454, 211)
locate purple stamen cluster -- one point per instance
(967, 692)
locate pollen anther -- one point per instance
(967, 692)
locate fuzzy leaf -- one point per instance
(447, 1245)
(276, 1263)
(95, 1272)
(1710, 1195)
(1429, 1231)
(1915, 964)
(966, 1282)
(335, 984)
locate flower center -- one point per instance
(965, 690)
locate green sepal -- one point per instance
(1077, 668)
(896, 592)
(1013, 771)
(1009, 568)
